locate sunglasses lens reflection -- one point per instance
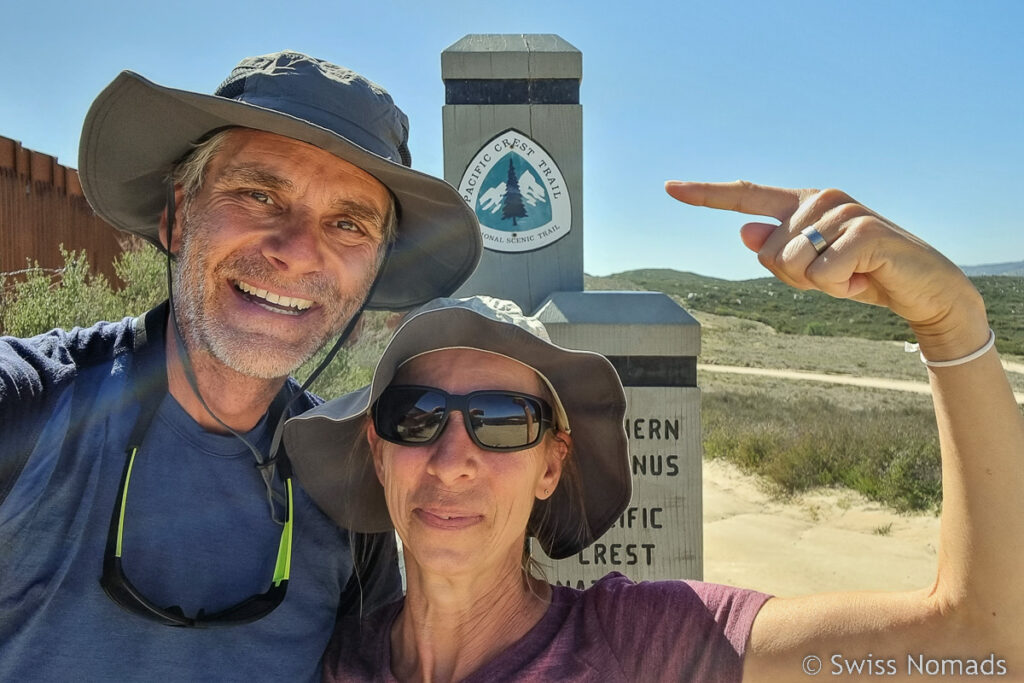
(504, 421)
(410, 415)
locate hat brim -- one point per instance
(332, 459)
(136, 129)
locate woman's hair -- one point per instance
(544, 528)
(369, 550)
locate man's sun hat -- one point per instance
(331, 457)
(136, 130)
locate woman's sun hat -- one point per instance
(331, 457)
(137, 130)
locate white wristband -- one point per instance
(956, 361)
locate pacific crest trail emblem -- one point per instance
(518, 194)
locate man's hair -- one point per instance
(190, 173)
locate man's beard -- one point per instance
(250, 353)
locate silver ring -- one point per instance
(817, 241)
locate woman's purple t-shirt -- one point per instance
(616, 630)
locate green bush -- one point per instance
(143, 270)
(44, 300)
(794, 312)
(353, 366)
(889, 455)
(72, 296)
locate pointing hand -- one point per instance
(849, 251)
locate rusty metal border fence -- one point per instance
(42, 207)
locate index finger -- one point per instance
(740, 196)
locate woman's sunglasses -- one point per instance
(495, 420)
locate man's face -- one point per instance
(277, 251)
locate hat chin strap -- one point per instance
(266, 466)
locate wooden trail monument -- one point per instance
(513, 146)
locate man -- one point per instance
(140, 487)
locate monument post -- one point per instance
(513, 141)
(513, 147)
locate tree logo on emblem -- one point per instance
(512, 200)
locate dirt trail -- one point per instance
(872, 382)
(1014, 367)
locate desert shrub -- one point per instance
(816, 328)
(143, 270)
(72, 296)
(791, 312)
(889, 455)
(42, 300)
(353, 366)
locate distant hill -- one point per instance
(1015, 269)
(791, 311)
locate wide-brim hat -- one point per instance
(332, 460)
(136, 130)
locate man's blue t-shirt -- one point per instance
(197, 528)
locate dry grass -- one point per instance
(889, 454)
(735, 341)
(801, 435)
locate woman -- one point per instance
(539, 452)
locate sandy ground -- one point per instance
(821, 541)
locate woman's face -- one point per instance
(458, 508)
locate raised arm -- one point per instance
(971, 620)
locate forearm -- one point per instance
(825, 240)
(976, 605)
(982, 531)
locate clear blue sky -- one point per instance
(915, 108)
